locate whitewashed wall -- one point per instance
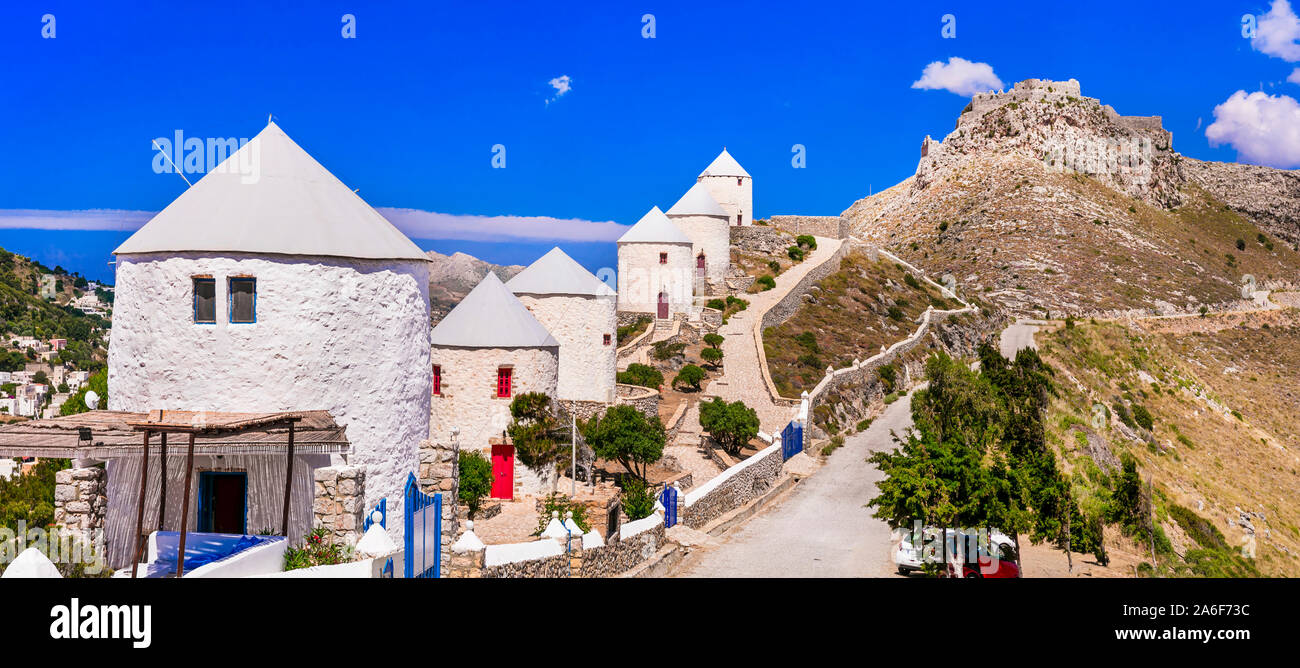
(710, 234)
(579, 323)
(347, 336)
(735, 199)
(641, 277)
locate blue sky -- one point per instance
(409, 110)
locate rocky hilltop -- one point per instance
(1041, 198)
(451, 277)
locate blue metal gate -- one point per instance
(423, 536)
(668, 498)
(791, 440)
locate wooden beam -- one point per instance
(139, 518)
(185, 509)
(162, 496)
(288, 484)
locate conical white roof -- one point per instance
(283, 203)
(724, 165)
(654, 227)
(698, 201)
(32, 563)
(557, 274)
(491, 317)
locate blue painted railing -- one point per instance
(381, 511)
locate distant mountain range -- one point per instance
(451, 277)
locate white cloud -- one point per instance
(414, 223)
(959, 76)
(562, 85)
(85, 220)
(419, 224)
(1278, 32)
(1264, 129)
(1295, 76)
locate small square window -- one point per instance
(740, 180)
(607, 339)
(205, 301)
(437, 380)
(243, 300)
(663, 258)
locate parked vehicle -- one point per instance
(996, 559)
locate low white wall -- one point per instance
(267, 558)
(509, 553)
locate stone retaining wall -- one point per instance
(835, 227)
(557, 566)
(760, 239)
(644, 399)
(733, 488)
(620, 556)
(789, 304)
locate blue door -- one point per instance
(223, 502)
(668, 499)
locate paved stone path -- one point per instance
(742, 377)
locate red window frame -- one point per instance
(663, 258)
(607, 339)
(437, 379)
(505, 382)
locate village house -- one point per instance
(285, 292)
(580, 311)
(485, 352)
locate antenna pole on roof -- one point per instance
(268, 119)
(169, 161)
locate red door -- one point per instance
(663, 304)
(503, 471)
(699, 264)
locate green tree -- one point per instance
(641, 374)
(713, 339)
(712, 355)
(689, 376)
(77, 402)
(625, 435)
(732, 425)
(475, 479)
(541, 442)
(638, 502)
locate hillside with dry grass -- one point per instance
(1206, 406)
(847, 316)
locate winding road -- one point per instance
(822, 527)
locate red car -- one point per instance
(1002, 563)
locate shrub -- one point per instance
(627, 332)
(559, 503)
(767, 282)
(713, 339)
(690, 376)
(737, 303)
(641, 374)
(475, 479)
(806, 241)
(625, 435)
(943, 227)
(795, 253)
(732, 425)
(911, 281)
(774, 266)
(716, 304)
(834, 445)
(1143, 417)
(1241, 244)
(638, 502)
(863, 425)
(316, 551)
(711, 355)
(888, 375)
(664, 350)
(808, 341)
(895, 313)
